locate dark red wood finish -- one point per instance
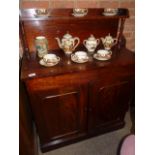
(108, 102)
(60, 113)
(27, 136)
(73, 101)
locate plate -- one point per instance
(75, 59)
(107, 57)
(42, 15)
(109, 14)
(79, 14)
(43, 63)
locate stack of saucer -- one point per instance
(49, 60)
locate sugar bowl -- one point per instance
(91, 43)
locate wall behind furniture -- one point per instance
(129, 30)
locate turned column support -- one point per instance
(23, 39)
(121, 39)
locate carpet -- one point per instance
(105, 144)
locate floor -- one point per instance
(106, 144)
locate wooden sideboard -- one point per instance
(70, 101)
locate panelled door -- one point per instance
(108, 103)
(60, 113)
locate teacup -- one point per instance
(41, 11)
(50, 58)
(80, 55)
(80, 11)
(102, 53)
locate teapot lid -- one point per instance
(91, 38)
(67, 36)
(109, 36)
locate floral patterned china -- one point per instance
(41, 12)
(108, 41)
(49, 60)
(77, 12)
(103, 55)
(91, 43)
(110, 12)
(79, 57)
(41, 45)
(68, 43)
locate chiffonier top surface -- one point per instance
(32, 69)
(57, 24)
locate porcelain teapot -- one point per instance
(68, 43)
(108, 42)
(91, 43)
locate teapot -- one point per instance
(108, 42)
(67, 43)
(91, 43)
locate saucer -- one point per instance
(41, 15)
(107, 57)
(79, 14)
(75, 59)
(43, 63)
(109, 14)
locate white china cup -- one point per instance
(80, 55)
(110, 10)
(80, 11)
(50, 58)
(102, 53)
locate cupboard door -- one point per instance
(108, 103)
(60, 114)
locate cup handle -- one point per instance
(78, 42)
(84, 43)
(115, 41)
(86, 11)
(45, 60)
(98, 41)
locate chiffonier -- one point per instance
(70, 102)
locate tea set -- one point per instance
(68, 44)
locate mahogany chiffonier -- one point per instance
(70, 101)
